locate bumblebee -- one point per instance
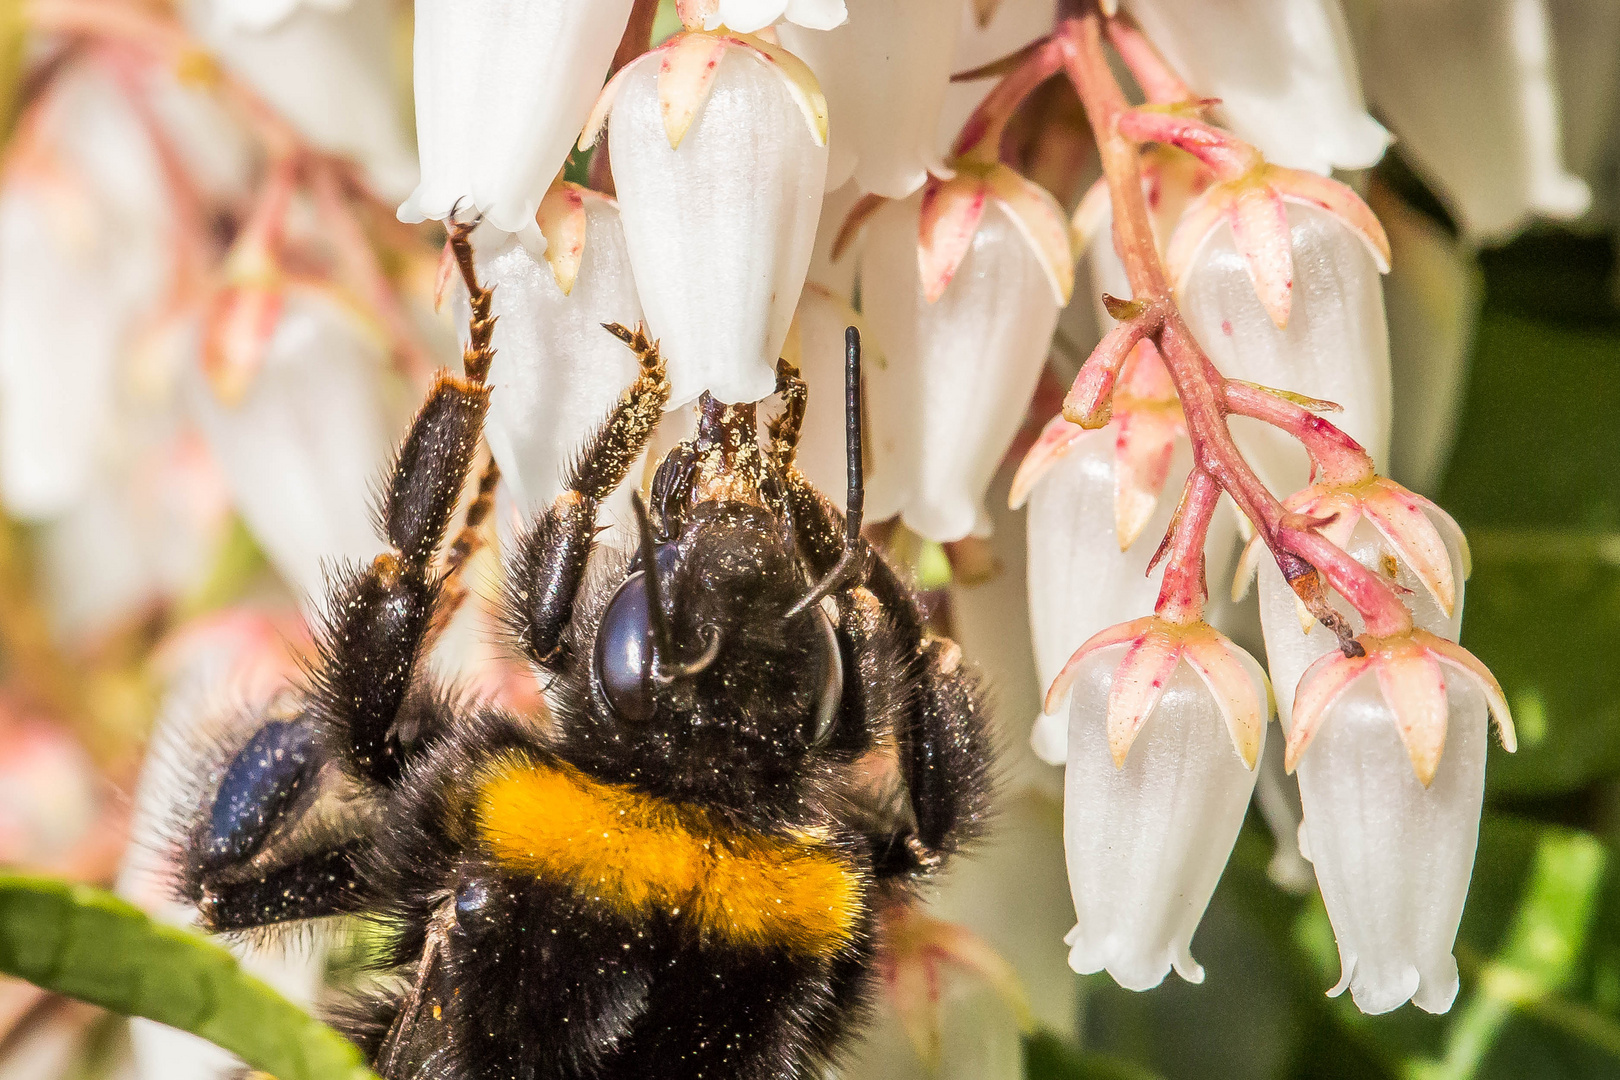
(680, 875)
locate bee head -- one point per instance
(703, 678)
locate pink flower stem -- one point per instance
(1202, 389)
(1340, 459)
(1183, 592)
(1161, 85)
(984, 128)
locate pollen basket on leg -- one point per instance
(642, 856)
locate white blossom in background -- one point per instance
(83, 261)
(719, 151)
(884, 72)
(1432, 296)
(747, 16)
(557, 373)
(837, 276)
(973, 269)
(1391, 804)
(330, 71)
(1283, 70)
(302, 450)
(1585, 41)
(502, 90)
(1334, 347)
(1166, 724)
(1468, 86)
(263, 14)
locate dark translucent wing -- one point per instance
(418, 1044)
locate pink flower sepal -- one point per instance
(952, 209)
(687, 66)
(1154, 647)
(1146, 419)
(1251, 197)
(561, 220)
(1408, 669)
(1419, 532)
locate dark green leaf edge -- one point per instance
(87, 944)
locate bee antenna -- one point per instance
(663, 648)
(849, 564)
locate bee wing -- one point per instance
(417, 1046)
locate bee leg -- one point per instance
(230, 866)
(786, 427)
(381, 616)
(551, 557)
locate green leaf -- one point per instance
(88, 944)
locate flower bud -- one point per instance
(962, 366)
(303, 448)
(328, 71)
(1469, 89)
(884, 72)
(1165, 725)
(719, 155)
(1334, 346)
(556, 372)
(1282, 71)
(502, 90)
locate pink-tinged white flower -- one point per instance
(1282, 70)
(502, 90)
(977, 266)
(1166, 723)
(303, 447)
(48, 795)
(884, 72)
(1333, 348)
(313, 58)
(1470, 90)
(719, 150)
(557, 373)
(1085, 573)
(1390, 748)
(1432, 295)
(747, 16)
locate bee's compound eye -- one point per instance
(830, 691)
(624, 648)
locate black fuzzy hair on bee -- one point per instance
(755, 745)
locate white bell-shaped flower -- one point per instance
(1392, 852)
(1393, 856)
(502, 90)
(315, 57)
(1469, 87)
(815, 345)
(884, 72)
(557, 373)
(1334, 347)
(1283, 71)
(961, 411)
(263, 14)
(747, 16)
(837, 276)
(1432, 295)
(719, 156)
(303, 449)
(1163, 736)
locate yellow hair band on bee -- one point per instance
(642, 855)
